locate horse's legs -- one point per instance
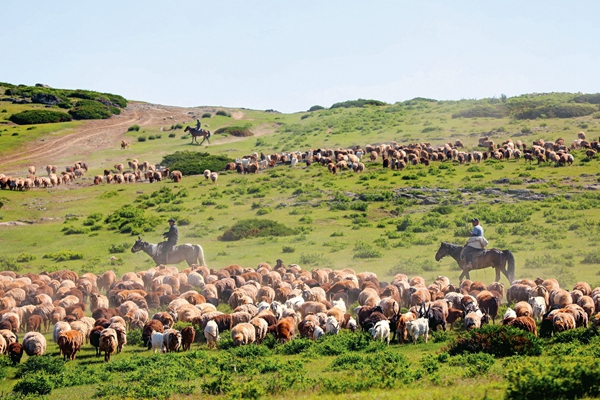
(498, 274)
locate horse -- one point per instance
(195, 133)
(495, 258)
(190, 253)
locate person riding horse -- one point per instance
(198, 125)
(172, 236)
(475, 244)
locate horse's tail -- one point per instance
(510, 258)
(199, 255)
(207, 133)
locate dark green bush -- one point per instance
(8, 264)
(248, 228)
(30, 117)
(119, 248)
(46, 363)
(194, 162)
(223, 113)
(206, 115)
(26, 257)
(358, 103)
(141, 138)
(37, 383)
(64, 255)
(498, 340)
(316, 108)
(562, 378)
(132, 128)
(238, 131)
(90, 109)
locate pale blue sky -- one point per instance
(289, 56)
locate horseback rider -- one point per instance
(475, 244)
(198, 126)
(172, 235)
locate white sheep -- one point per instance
(213, 177)
(332, 327)
(211, 334)
(510, 313)
(417, 328)
(538, 304)
(340, 303)
(59, 328)
(381, 331)
(318, 333)
(158, 342)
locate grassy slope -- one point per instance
(566, 229)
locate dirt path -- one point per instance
(94, 135)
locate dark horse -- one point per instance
(190, 253)
(195, 133)
(490, 258)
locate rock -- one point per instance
(45, 98)
(503, 180)
(429, 201)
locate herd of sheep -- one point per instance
(285, 301)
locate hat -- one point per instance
(475, 220)
(171, 220)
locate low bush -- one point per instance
(483, 111)
(562, 378)
(498, 340)
(119, 248)
(37, 383)
(141, 138)
(30, 117)
(223, 113)
(132, 128)
(90, 109)
(46, 363)
(26, 257)
(8, 264)
(129, 219)
(288, 249)
(64, 255)
(365, 250)
(249, 228)
(237, 131)
(194, 162)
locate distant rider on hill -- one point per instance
(172, 236)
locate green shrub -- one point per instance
(288, 249)
(37, 383)
(365, 250)
(248, 228)
(358, 103)
(562, 378)
(90, 109)
(132, 128)
(316, 108)
(141, 138)
(129, 219)
(151, 137)
(500, 341)
(30, 117)
(237, 131)
(483, 111)
(172, 135)
(264, 210)
(194, 162)
(119, 248)
(223, 113)
(313, 259)
(64, 255)
(591, 257)
(8, 264)
(26, 257)
(46, 363)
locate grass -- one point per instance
(382, 221)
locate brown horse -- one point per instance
(195, 133)
(190, 253)
(490, 258)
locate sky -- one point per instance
(291, 55)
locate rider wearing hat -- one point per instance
(475, 243)
(172, 235)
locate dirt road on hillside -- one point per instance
(95, 135)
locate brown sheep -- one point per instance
(176, 176)
(563, 321)
(488, 303)
(152, 325)
(70, 343)
(285, 329)
(243, 334)
(15, 352)
(108, 343)
(523, 309)
(526, 323)
(188, 335)
(584, 287)
(561, 297)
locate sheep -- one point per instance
(332, 326)
(418, 327)
(561, 297)
(94, 338)
(8, 335)
(3, 345)
(453, 315)
(172, 339)
(34, 344)
(214, 176)
(243, 334)
(285, 329)
(525, 322)
(523, 309)
(563, 321)
(538, 305)
(119, 328)
(207, 174)
(318, 332)
(157, 341)
(108, 343)
(473, 320)
(381, 331)
(188, 335)
(34, 323)
(69, 343)
(15, 352)
(211, 334)
(489, 303)
(261, 326)
(59, 327)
